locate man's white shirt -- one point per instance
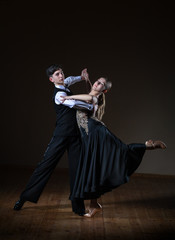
(70, 102)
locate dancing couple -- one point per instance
(98, 160)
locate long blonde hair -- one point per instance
(101, 106)
(101, 101)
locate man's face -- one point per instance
(99, 85)
(57, 77)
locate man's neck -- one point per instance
(58, 85)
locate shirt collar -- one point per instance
(60, 86)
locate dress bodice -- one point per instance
(87, 120)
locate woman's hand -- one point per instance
(63, 98)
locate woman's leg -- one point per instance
(94, 203)
(93, 208)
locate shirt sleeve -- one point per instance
(71, 80)
(72, 103)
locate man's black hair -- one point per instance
(50, 70)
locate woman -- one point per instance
(106, 162)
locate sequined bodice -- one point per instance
(83, 119)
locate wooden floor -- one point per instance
(144, 208)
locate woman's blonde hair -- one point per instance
(101, 100)
(101, 106)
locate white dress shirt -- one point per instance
(68, 102)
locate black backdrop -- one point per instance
(130, 43)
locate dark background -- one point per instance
(131, 43)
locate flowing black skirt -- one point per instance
(105, 162)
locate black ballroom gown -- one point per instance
(105, 161)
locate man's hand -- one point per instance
(85, 75)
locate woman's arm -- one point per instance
(72, 103)
(88, 85)
(82, 97)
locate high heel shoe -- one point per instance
(93, 211)
(151, 145)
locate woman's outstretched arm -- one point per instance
(82, 97)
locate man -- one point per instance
(66, 136)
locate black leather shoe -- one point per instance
(19, 204)
(78, 207)
(81, 214)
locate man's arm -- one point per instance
(72, 103)
(72, 79)
(81, 97)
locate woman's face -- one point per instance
(99, 85)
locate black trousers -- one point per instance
(55, 150)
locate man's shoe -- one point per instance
(19, 204)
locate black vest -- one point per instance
(66, 124)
